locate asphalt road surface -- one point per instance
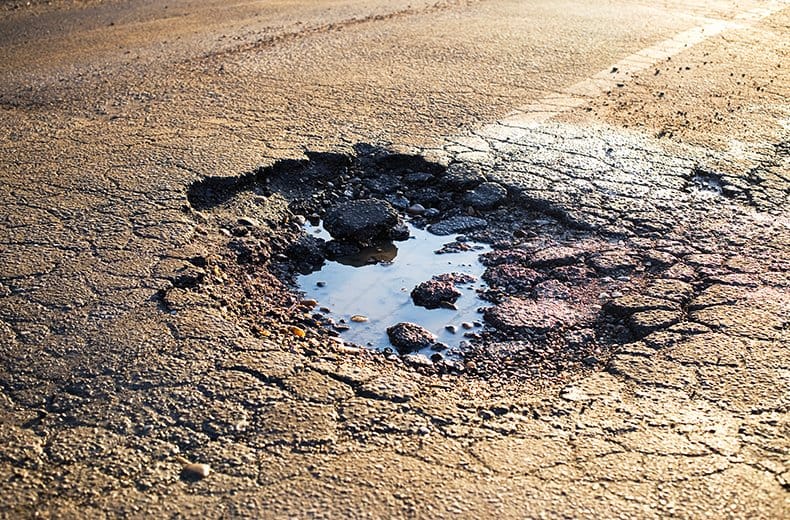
(650, 140)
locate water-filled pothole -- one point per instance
(365, 293)
(557, 293)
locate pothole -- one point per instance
(363, 293)
(555, 296)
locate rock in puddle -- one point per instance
(456, 278)
(408, 337)
(440, 291)
(362, 220)
(433, 293)
(455, 247)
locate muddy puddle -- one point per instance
(376, 284)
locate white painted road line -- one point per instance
(580, 93)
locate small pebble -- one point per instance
(296, 331)
(197, 470)
(192, 469)
(320, 284)
(451, 328)
(416, 209)
(358, 318)
(309, 303)
(467, 325)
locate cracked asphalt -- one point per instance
(670, 155)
